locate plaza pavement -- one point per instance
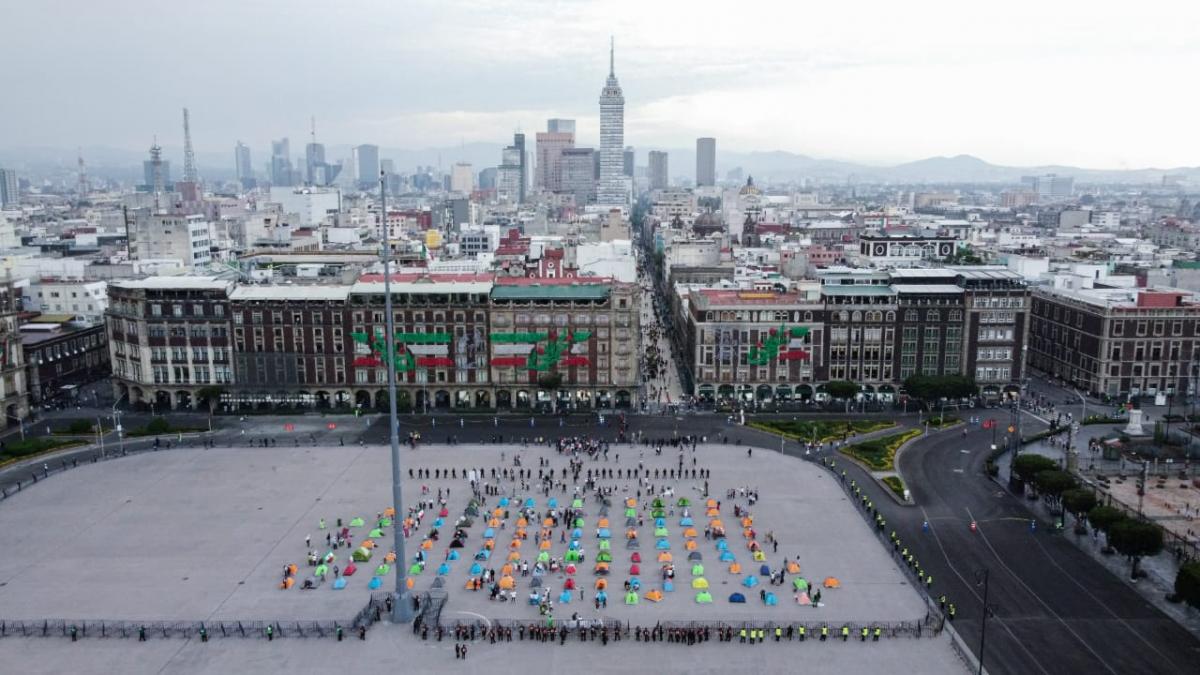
(203, 535)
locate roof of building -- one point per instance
(922, 272)
(555, 290)
(856, 289)
(927, 288)
(175, 283)
(290, 292)
(426, 283)
(720, 297)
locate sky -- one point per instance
(1098, 84)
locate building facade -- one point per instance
(60, 357)
(658, 174)
(706, 161)
(14, 388)
(611, 191)
(550, 146)
(1118, 342)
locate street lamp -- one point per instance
(981, 579)
(116, 415)
(401, 609)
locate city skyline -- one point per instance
(898, 88)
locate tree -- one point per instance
(1102, 519)
(1028, 465)
(210, 395)
(1136, 539)
(158, 425)
(1079, 501)
(842, 389)
(1052, 483)
(931, 388)
(1187, 584)
(550, 381)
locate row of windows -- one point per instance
(177, 310)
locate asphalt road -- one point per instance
(1053, 609)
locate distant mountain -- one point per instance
(764, 166)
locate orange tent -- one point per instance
(747, 521)
(514, 556)
(389, 512)
(293, 569)
(515, 544)
(602, 523)
(506, 570)
(793, 568)
(712, 513)
(831, 582)
(507, 583)
(521, 522)
(690, 533)
(494, 522)
(409, 583)
(665, 556)
(735, 568)
(390, 557)
(489, 544)
(654, 595)
(711, 503)
(519, 534)
(545, 545)
(601, 584)
(497, 512)
(548, 522)
(690, 545)
(287, 583)
(631, 533)
(368, 543)
(630, 503)
(748, 533)
(716, 522)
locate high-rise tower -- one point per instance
(189, 157)
(611, 190)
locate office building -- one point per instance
(658, 171)
(611, 191)
(10, 193)
(523, 164)
(577, 174)
(627, 161)
(148, 178)
(366, 166)
(462, 178)
(1049, 187)
(314, 163)
(550, 146)
(243, 169)
(560, 126)
(706, 162)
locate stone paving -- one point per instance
(204, 535)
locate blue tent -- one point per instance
(453, 555)
(438, 522)
(443, 570)
(660, 522)
(601, 596)
(727, 556)
(530, 503)
(504, 501)
(686, 521)
(576, 533)
(771, 600)
(564, 597)
(489, 533)
(375, 583)
(764, 571)
(721, 545)
(635, 583)
(476, 570)
(604, 533)
(750, 581)
(552, 503)
(737, 597)
(339, 583)
(668, 586)
(662, 545)
(483, 554)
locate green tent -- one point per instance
(631, 512)
(799, 584)
(357, 522)
(683, 501)
(660, 531)
(361, 554)
(414, 570)
(605, 544)
(573, 556)
(385, 522)
(658, 513)
(383, 569)
(543, 556)
(577, 504)
(376, 533)
(631, 598)
(703, 598)
(604, 556)
(697, 570)
(579, 522)
(657, 503)
(321, 570)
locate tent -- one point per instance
(600, 569)
(579, 522)
(726, 556)
(711, 503)
(632, 544)
(543, 556)
(737, 597)
(390, 512)
(530, 503)
(664, 557)
(544, 546)
(503, 501)
(376, 533)
(604, 533)
(375, 583)
(800, 584)
(570, 569)
(494, 522)
(483, 554)
(387, 522)
(660, 532)
(603, 523)
(415, 569)
(699, 583)
(683, 501)
(690, 533)
(657, 503)
(631, 513)
(704, 598)
(548, 522)
(635, 583)
(750, 581)
(453, 555)
(513, 556)
(602, 596)
(426, 545)
(630, 502)
(697, 570)
(711, 513)
(662, 544)
(576, 533)
(660, 522)
(339, 583)
(668, 586)
(535, 582)
(658, 513)
(384, 568)
(654, 595)
(361, 554)
(287, 583)
(690, 544)
(573, 556)
(631, 533)
(604, 556)
(831, 582)
(457, 543)
(489, 533)
(636, 557)
(747, 522)
(507, 582)
(631, 598)
(605, 544)
(564, 598)
(577, 503)
(803, 599)
(570, 584)
(349, 570)
(686, 521)
(735, 568)
(759, 556)
(367, 543)
(356, 522)
(770, 599)
(321, 570)
(552, 503)
(793, 568)
(522, 523)
(764, 571)
(601, 584)
(722, 545)
(635, 569)
(439, 582)
(443, 569)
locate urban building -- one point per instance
(281, 163)
(10, 193)
(659, 176)
(1049, 187)
(629, 158)
(462, 178)
(577, 176)
(523, 164)
(556, 125)
(311, 205)
(706, 162)
(314, 164)
(14, 389)
(1118, 342)
(611, 190)
(161, 235)
(243, 169)
(366, 166)
(884, 251)
(61, 356)
(83, 301)
(169, 339)
(550, 146)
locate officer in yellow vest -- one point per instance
(742, 635)
(824, 632)
(801, 631)
(845, 633)
(878, 632)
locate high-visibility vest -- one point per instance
(743, 634)
(878, 632)
(778, 631)
(801, 631)
(845, 630)
(824, 631)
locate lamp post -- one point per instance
(116, 415)
(981, 578)
(401, 609)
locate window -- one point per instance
(156, 310)
(910, 315)
(197, 310)
(177, 310)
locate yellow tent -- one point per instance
(507, 583)
(654, 595)
(699, 583)
(759, 556)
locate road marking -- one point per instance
(1037, 417)
(1037, 597)
(958, 471)
(971, 588)
(965, 452)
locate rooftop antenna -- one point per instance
(189, 157)
(612, 48)
(313, 121)
(83, 188)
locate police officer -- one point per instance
(339, 633)
(942, 601)
(800, 630)
(951, 611)
(864, 634)
(845, 632)
(928, 581)
(824, 632)
(270, 632)
(203, 634)
(141, 634)
(878, 632)
(778, 633)
(742, 635)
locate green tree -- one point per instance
(1102, 519)
(931, 388)
(1136, 539)
(1052, 483)
(1187, 584)
(842, 389)
(79, 427)
(158, 425)
(211, 396)
(1028, 465)
(1079, 501)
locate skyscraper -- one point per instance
(9, 188)
(557, 125)
(658, 173)
(462, 178)
(550, 145)
(577, 174)
(611, 191)
(706, 161)
(627, 163)
(314, 163)
(519, 144)
(366, 164)
(281, 162)
(241, 162)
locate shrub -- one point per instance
(896, 485)
(880, 453)
(158, 425)
(79, 427)
(822, 431)
(1028, 465)
(32, 446)
(1187, 584)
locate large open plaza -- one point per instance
(204, 535)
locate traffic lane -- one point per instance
(1046, 571)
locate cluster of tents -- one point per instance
(363, 553)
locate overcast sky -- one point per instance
(1099, 84)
